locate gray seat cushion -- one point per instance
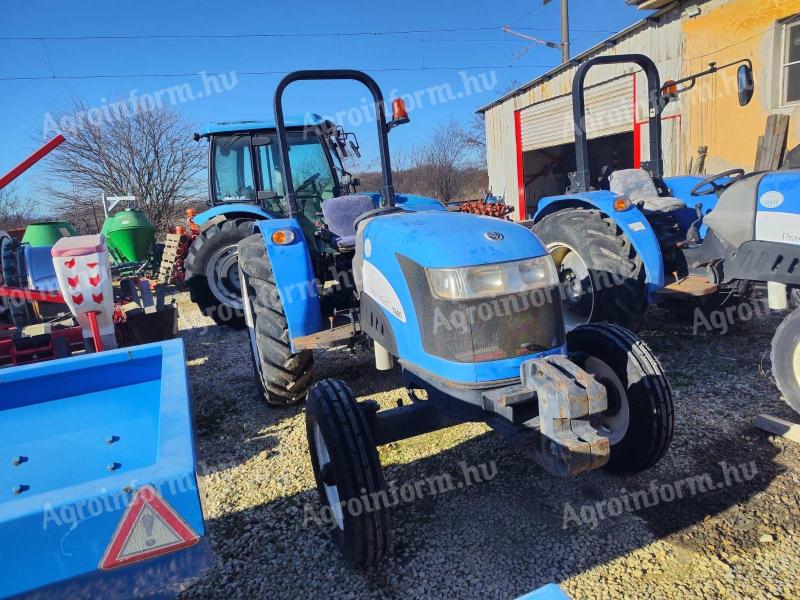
(340, 214)
(637, 185)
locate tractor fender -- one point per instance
(224, 212)
(632, 222)
(297, 285)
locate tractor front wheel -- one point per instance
(602, 277)
(640, 416)
(786, 359)
(348, 473)
(212, 271)
(282, 376)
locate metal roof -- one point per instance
(253, 125)
(606, 43)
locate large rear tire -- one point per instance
(212, 271)
(282, 376)
(348, 472)
(602, 276)
(640, 417)
(786, 359)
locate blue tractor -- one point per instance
(468, 306)
(622, 240)
(245, 185)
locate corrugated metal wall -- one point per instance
(661, 41)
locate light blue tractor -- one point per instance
(468, 306)
(625, 239)
(245, 185)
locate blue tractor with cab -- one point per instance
(469, 308)
(245, 185)
(622, 240)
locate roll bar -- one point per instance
(387, 192)
(583, 176)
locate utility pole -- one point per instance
(565, 31)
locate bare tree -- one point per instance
(16, 212)
(149, 154)
(445, 157)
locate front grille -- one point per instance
(487, 329)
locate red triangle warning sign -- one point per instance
(150, 527)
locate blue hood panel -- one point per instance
(438, 239)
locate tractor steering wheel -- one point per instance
(308, 182)
(734, 174)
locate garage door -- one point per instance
(609, 110)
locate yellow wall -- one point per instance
(726, 31)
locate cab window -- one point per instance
(233, 169)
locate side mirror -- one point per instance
(355, 149)
(746, 85)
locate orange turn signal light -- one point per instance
(399, 110)
(283, 237)
(670, 88)
(622, 204)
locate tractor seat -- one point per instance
(637, 184)
(340, 214)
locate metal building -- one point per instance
(530, 130)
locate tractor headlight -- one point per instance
(488, 281)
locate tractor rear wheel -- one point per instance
(282, 376)
(640, 417)
(348, 473)
(602, 277)
(786, 359)
(212, 271)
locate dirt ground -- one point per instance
(513, 527)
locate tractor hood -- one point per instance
(439, 239)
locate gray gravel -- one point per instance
(505, 536)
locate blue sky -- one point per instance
(396, 61)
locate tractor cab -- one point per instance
(244, 166)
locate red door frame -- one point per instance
(637, 148)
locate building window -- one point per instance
(791, 62)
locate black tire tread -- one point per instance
(659, 393)
(283, 377)
(331, 401)
(604, 247)
(787, 382)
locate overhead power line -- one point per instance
(261, 73)
(273, 35)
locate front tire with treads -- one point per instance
(282, 376)
(602, 276)
(348, 472)
(785, 359)
(640, 417)
(212, 271)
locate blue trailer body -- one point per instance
(79, 436)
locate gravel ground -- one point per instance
(505, 536)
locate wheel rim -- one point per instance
(615, 421)
(222, 274)
(576, 285)
(325, 467)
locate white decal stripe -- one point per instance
(378, 287)
(774, 226)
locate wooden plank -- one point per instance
(774, 425)
(781, 133)
(759, 153)
(694, 285)
(329, 338)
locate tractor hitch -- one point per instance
(567, 398)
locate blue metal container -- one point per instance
(80, 439)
